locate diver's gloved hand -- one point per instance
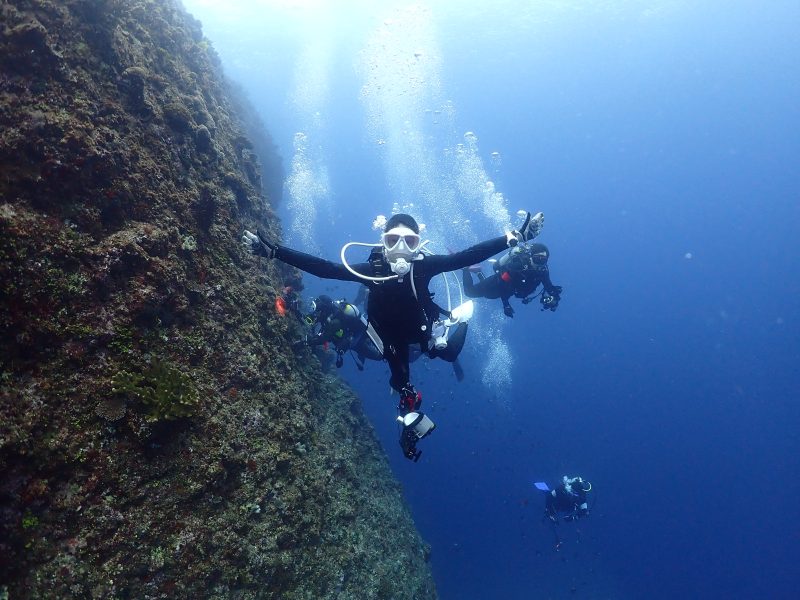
(509, 312)
(259, 245)
(551, 299)
(531, 227)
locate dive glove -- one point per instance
(259, 245)
(531, 227)
(508, 310)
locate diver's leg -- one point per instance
(486, 287)
(469, 285)
(396, 354)
(550, 507)
(455, 343)
(415, 425)
(458, 371)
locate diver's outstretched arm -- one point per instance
(261, 245)
(479, 252)
(439, 263)
(319, 266)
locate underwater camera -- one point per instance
(415, 427)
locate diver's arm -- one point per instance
(547, 284)
(439, 263)
(320, 267)
(468, 284)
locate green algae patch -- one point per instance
(166, 392)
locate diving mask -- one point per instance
(539, 259)
(399, 239)
(400, 246)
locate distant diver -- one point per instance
(567, 501)
(340, 324)
(518, 273)
(400, 308)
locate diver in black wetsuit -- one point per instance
(518, 273)
(568, 500)
(340, 324)
(400, 308)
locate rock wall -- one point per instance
(158, 437)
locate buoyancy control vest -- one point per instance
(397, 307)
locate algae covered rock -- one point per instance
(157, 439)
(165, 391)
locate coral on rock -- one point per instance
(158, 439)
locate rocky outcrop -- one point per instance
(158, 438)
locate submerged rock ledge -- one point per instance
(157, 439)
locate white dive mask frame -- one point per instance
(405, 249)
(401, 245)
(400, 239)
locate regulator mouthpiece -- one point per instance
(400, 266)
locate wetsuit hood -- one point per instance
(402, 219)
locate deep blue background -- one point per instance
(644, 133)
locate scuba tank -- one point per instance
(513, 260)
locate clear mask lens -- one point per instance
(392, 240)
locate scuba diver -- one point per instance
(400, 308)
(289, 302)
(568, 500)
(518, 273)
(340, 324)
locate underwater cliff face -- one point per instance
(158, 438)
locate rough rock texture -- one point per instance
(158, 439)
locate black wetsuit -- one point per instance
(517, 283)
(399, 318)
(570, 504)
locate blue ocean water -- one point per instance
(662, 142)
